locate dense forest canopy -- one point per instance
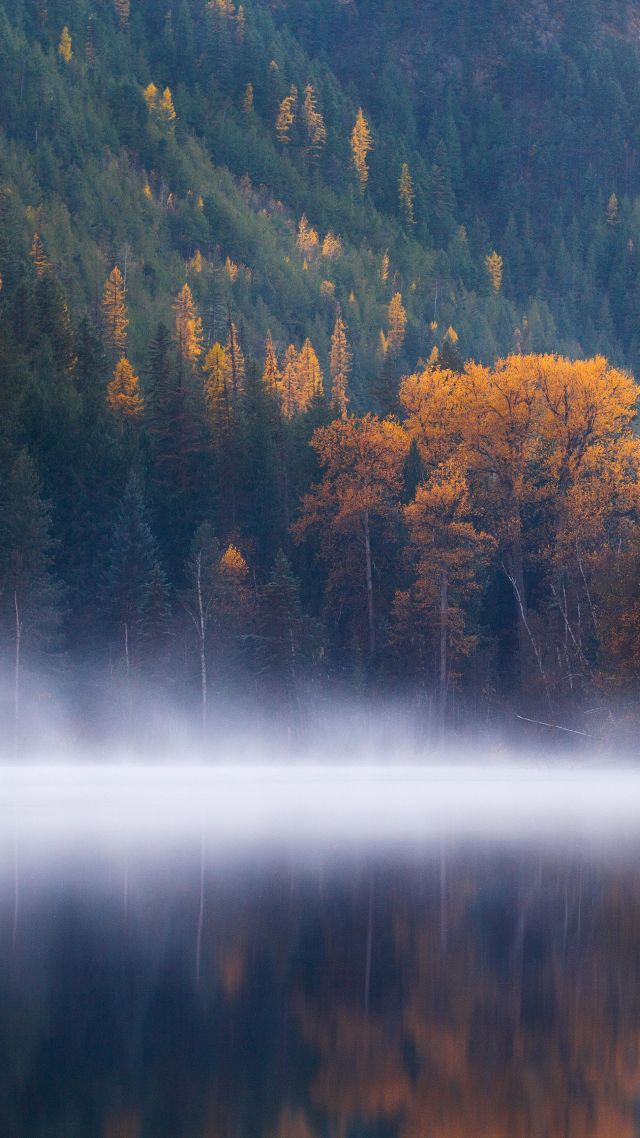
(245, 252)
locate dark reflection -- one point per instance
(456, 995)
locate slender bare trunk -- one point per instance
(202, 629)
(370, 613)
(18, 665)
(127, 658)
(444, 643)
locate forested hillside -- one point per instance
(245, 252)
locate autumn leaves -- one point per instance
(528, 470)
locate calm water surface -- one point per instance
(459, 989)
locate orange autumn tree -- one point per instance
(362, 462)
(188, 326)
(114, 310)
(447, 552)
(123, 393)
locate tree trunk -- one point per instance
(18, 664)
(444, 643)
(202, 630)
(370, 614)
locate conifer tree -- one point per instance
(65, 46)
(132, 572)
(286, 116)
(309, 382)
(406, 193)
(612, 210)
(30, 597)
(123, 9)
(235, 366)
(123, 393)
(397, 324)
(288, 386)
(216, 389)
(287, 640)
(361, 145)
(340, 366)
(494, 265)
(114, 311)
(314, 122)
(271, 375)
(247, 101)
(188, 326)
(166, 109)
(39, 256)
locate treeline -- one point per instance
(220, 524)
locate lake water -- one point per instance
(451, 983)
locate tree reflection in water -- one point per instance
(492, 995)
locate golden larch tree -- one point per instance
(331, 246)
(286, 116)
(307, 238)
(123, 392)
(65, 46)
(151, 96)
(288, 382)
(271, 375)
(188, 326)
(216, 388)
(406, 193)
(39, 256)
(361, 146)
(612, 210)
(114, 311)
(397, 317)
(309, 381)
(495, 266)
(339, 366)
(314, 123)
(166, 109)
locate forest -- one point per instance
(318, 328)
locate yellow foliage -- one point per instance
(233, 563)
(286, 116)
(115, 312)
(39, 256)
(307, 238)
(65, 48)
(188, 326)
(397, 324)
(361, 145)
(123, 392)
(331, 246)
(327, 289)
(494, 268)
(231, 269)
